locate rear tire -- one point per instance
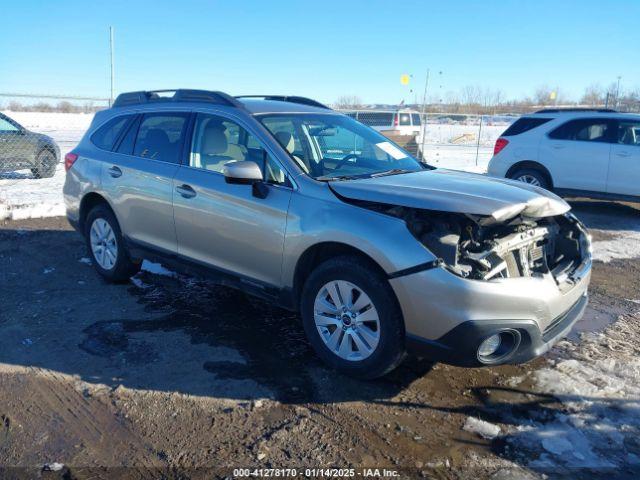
(531, 176)
(361, 334)
(46, 163)
(106, 246)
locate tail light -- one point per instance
(395, 120)
(69, 160)
(500, 144)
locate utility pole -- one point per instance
(618, 90)
(111, 58)
(424, 116)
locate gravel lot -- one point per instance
(178, 377)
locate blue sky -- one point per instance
(321, 49)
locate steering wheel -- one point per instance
(341, 163)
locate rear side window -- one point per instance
(106, 136)
(376, 119)
(524, 125)
(585, 130)
(160, 136)
(415, 117)
(404, 119)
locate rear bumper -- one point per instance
(459, 346)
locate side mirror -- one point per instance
(242, 172)
(246, 173)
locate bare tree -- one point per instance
(544, 95)
(593, 95)
(348, 101)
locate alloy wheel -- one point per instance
(103, 243)
(347, 320)
(530, 179)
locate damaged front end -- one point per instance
(489, 248)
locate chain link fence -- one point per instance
(448, 140)
(36, 132)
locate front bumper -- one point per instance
(447, 317)
(460, 345)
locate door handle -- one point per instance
(115, 172)
(557, 146)
(186, 191)
(623, 154)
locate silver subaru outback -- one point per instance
(291, 201)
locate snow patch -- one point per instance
(625, 245)
(156, 269)
(597, 385)
(480, 427)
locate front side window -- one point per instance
(629, 133)
(6, 126)
(160, 136)
(217, 141)
(585, 130)
(336, 146)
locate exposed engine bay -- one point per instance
(482, 248)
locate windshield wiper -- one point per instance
(325, 178)
(393, 171)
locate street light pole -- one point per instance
(111, 61)
(618, 91)
(424, 110)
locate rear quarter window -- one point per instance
(524, 125)
(106, 136)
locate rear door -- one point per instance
(225, 225)
(577, 153)
(624, 168)
(138, 178)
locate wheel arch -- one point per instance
(320, 252)
(88, 203)
(532, 165)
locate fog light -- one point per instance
(489, 346)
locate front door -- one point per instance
(225, 225)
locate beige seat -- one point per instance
(288, 143)
(215, 150)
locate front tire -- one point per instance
(531, 176)
(352, 318)
(106, 246)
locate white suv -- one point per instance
(592, 153)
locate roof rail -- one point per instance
(179, 95)
(288, 98)
(561, 110)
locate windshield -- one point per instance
(329, 147)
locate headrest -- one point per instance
(156, 136)
(214, 141)
(286, 140)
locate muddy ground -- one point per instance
(174, 376)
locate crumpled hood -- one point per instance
(453, 191)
